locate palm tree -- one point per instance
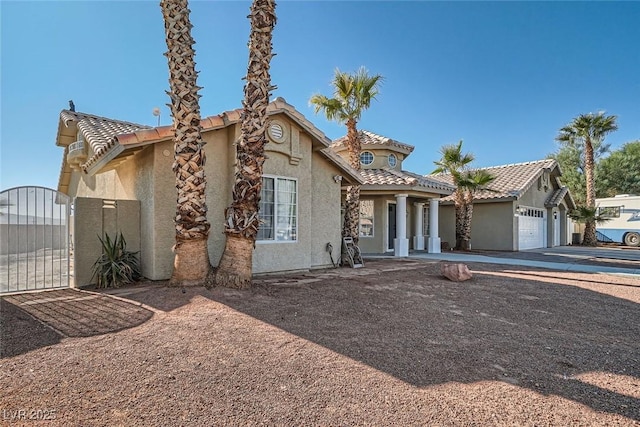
(352, 95)
(584, 132)
(471, 182)
(191, 262)
(241, 227)
(467, 182)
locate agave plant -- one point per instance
(116, 266)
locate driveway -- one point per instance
(608, 260)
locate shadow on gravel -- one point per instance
(66, 313)
(21, 333)
(425, 330)
(404, 319)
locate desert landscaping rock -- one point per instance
(393, 343)
(456, 272)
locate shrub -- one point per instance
(116, 266)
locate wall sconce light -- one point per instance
(337, 178)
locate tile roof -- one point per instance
(104, 134)
(558, 196)
(99, 132)
(511, 182)
(368, 139)
(393, 178)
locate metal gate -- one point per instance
(34, 239)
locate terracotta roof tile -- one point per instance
(390, 177)
(99, 132)
(511, 180)
(369, 138)
(103, 134)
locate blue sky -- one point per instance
(502, 76)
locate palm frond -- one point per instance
(584, 214)
(352, 94)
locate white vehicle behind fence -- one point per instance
(623, 226)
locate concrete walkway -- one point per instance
(564, 258)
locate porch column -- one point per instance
(401, 243)
(434, 238)
(418, 239)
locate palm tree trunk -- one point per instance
(191, 263)
(460, 209)
(351, 221)
(352, 203)
(590, 238)
(235, 268)
(465, 238)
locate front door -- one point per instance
(391, 229)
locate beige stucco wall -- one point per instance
(492, 226)
(218, 193)
(380, 157)
(147, 177)
(92, 218)
(281, 256)
(325, 213)
(378, 243)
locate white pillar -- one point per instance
(433, 243)
(418, 239)
(401, 243)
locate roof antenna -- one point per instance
(72, 106)
(156, 112)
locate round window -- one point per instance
(366, 158)
(393, 160)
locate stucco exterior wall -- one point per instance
(161, 237)
(93, 218)
(282, 256)
(325, 213)
(377, 243)
(492, 226)
(148, 178)
(495, 225)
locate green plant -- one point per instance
(583, 214)
(116, 266)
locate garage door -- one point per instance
(531, 228)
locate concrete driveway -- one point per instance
(609, 260)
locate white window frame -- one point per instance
(275, 211)
(372, 158)
(373, 214)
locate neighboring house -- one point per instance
(526, 207)
(394, 204)
(120, 173)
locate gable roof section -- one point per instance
(110, 138)
(372, 140)
(511, 182)
(558, 196)
(393, 179)
(98, 132)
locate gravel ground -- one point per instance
(393, 343)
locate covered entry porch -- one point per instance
(396, 222)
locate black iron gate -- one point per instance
(35, 250)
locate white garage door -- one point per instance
(531, 229)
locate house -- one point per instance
(120, 178)
(398, 209)
(525, 207)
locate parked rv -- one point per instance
(623, 225)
